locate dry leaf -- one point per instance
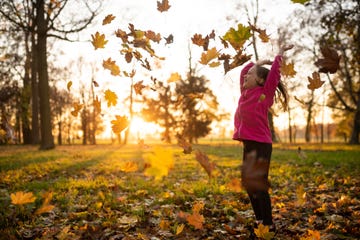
(108, 19)
(330, 62)
(315, 82)
(98, 40)
(20, 198)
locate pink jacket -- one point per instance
(251, 116)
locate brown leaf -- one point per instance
(315, 82)
(330, 62)
(163, 6)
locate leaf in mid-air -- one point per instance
(169, 39)
(122, 34)
(315, 82)
(97, 104)
(287, 70)
(300, 1)
(174, 77)
(111, 65)
(111, 98)
(263, 232)
(330, 62)
(119, 124)
(98, 40)
(197, 39)
(108, 19)
(208, 56)
(138, 87)
(238, 37)
(163, 6)
(20, 198)
(262, 33)
(159, 161)
(129, 167)
(155, 37)
(77, 108)
(68, 85)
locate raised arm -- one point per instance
(243, 73)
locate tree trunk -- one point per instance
(35, 129)
(25, 96)
(47, 139)
(354, 139)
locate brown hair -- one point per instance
(281, 92)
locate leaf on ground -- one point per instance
(263, 232)
(20, 198)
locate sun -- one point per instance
(141, 129)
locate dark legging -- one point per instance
(254, 177)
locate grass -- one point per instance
(95, 197)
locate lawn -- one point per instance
(159, 192)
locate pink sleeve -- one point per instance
(273, 78)
(243, 73)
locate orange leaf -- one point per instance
(287, 70)
(155, 37)
(330, 62)
(263, 232)
(98, 41)
(315, 81)
(44, 209)
(196, 220)
(97, 104)
(208, 56)
(174, 77)
(119, 124)
(20, 198)
(163, 6)
(108, 19)
(197, 39)
(111, 98)
(234, 185)
(111, 65)
(129, 167)
(138, 87)
(77, 108)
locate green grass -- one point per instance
(92, 194)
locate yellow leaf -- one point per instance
(69, 84)
(263, 36)
(164, 224)
(111, 98)
(129, 167)
(315, 82)
(160, 161)
(179, 229)
(262, 97)
(44, 209)
(214, 64)
(20, 198)
(97, 104)
(174, 77)
(238, 37)
(108, 19)
(208, 56)
(98, 41)
(300, 196)
(263, 232)
(198, 206)
(119, 124)
(311, 235)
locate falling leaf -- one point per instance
(263, 232)
(174, 77)
(122, 34)
(98, 41)
(138, 87)
(300, 1)
(330, 62)
(20, 198)
(119, 124)
(262, 33)
(111, 98)
(287, 70)
(163, 6)
(96, 84)
(197, 39)
(129, 167)
(108, 19)
(160, 161)
(169, 39)
(204, 161)
(208, 56)
(77, 107)
(111, 65)
(238, 37)
(155, 37)
(69, 84)
(315, 81)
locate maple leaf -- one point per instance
(204, 161)
(122, 34)
(108, 19)
(196, 220)
(20, 198)
(262, 33)
(208, 56)
(119, 124)
(287, 70)
(315, 81)
(238, 37)
(174, 77)
(159, 161)
(68, 85)
(110, 97)
(138, 87)
(312, 235)
(169, 39)
(111, 65)
(155, 37)
(234, 185)
(263, 232)
(330, 62)
(238, 60)
(197, 39)
(163, 6)
(77, 108)
(98, 41)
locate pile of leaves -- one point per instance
(159, 192)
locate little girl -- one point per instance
(258, 86)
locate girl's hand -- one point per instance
(285, 48)
(263, 62)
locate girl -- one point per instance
(258, 86)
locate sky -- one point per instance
(183, 20)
